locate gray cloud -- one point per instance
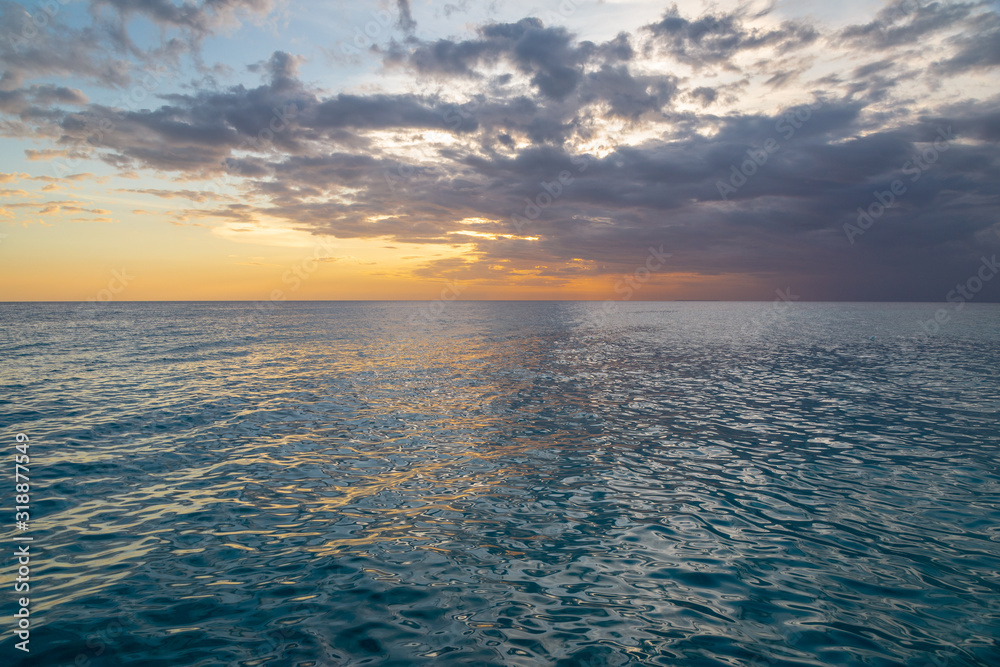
(201, 18)
(906, 22)
(978, 48)
(549, 55)
(42, 43)
(714, 39)
(705, 95)
(28, 52)
(406, 21)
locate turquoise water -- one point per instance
(506, 484)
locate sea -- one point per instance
(501, 483)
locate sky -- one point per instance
(541, 149)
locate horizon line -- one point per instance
(279, 301)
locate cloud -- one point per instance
(705, 95)
(406, 21)
(27, 100)
(978, 48)
(717, 38)
(46, 154)
(28, 51)
(191, 195)
(906, 22)
(193, 20)
(599, 150)
(58, 207)
(282, 69)
(44, 43)
(548, 55)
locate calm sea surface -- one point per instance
(504, 484)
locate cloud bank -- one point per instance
(552, 156)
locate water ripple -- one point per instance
(511, 484)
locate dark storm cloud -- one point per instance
(713, 39)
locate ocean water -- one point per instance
(505, 484)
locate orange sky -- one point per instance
(136, 260)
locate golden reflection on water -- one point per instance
(338, 397)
